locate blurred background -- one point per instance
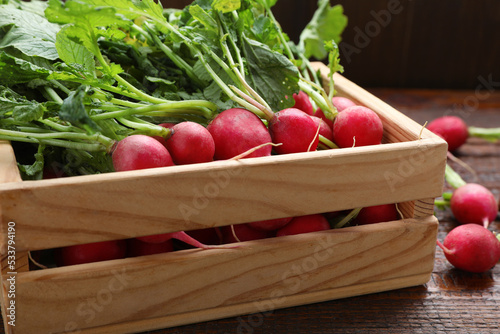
(451, 44)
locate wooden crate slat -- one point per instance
(122, 205)
(191, 281)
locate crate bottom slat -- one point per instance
(256, 306)
(167, 290)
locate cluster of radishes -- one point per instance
(237, 134)
(470, 246)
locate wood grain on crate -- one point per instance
(128, 204)
(256, 277)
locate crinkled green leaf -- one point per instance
(226, 6)
(28, 113)
(16, 70)
(30, 33)
(327, 24)
(271, 74)
(73, 110)
(35, 170)
(203, 17)
(74, 53)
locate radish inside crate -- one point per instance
(210, 238)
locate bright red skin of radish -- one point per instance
(271, 224)
(324, 129)
(452, 129)
(190, 143)
(236, 131)
(244, 233)
(136, 247)
(319, 113)
(472, 248)
(295, 130)
(140, 152)
(472, 203)
(91, 252)
(304, 224)
(342, 103)
(303, 103)
(377, 214)
(181, 235)
(357, 122)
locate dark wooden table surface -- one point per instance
(452, 301)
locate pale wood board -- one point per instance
(122, 205)
(309, 267)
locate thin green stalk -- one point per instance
(327, 142)
(229, 92)
(89, 147)
(453, 178)
(174, 106)
(491, 134)
(144, 127)
(319, 99)
(351, 215)
(179, 61)
(60, 127)
(53, 95)
(61, 86)
(69, 136)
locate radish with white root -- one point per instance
(470, 203)
(472, 248)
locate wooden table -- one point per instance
(452, 301)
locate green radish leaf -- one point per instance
(226, 6)
(16, 70)
(327, 23)
(201, 15)
(29, 33)
(34, 171)
(73, 110)
(271, 74)
(28, 112)
(74, 53)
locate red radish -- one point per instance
(236, 131)
(136, 247)
(324, 129)
(242, 232)
(304, 224)
(91, 252)
(271, 224)
(139, 152)
(472, 203)
(357, 126)
(319, 113)
(452, 129)
(294, 130)
(303, 103)
(341, 103)
(190, 143)
(376, 214)
(471, 247)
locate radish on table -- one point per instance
(471, 247)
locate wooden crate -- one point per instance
(171, 289)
